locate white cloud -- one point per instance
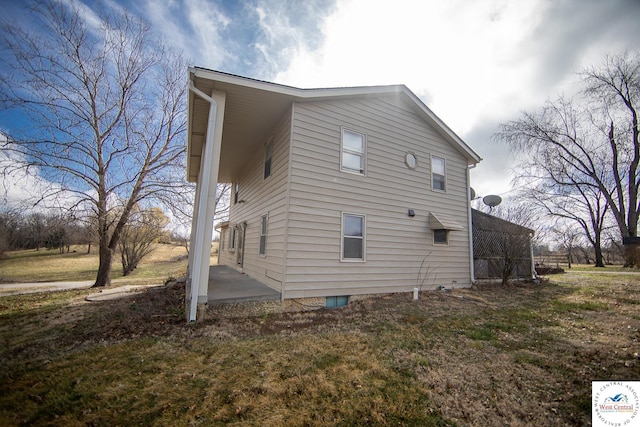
(474, 63)
(25, 187)
(460, 56)
(192, 27)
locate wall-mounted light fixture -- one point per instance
(411, 213)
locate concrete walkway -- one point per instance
(101, 294)
(30, 288)
(228, 285)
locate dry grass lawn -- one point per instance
(50, 266)
(490, 356)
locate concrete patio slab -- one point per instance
(228, 285)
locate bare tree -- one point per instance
(593, 140)
(183, 212)
(139, 235)
(568, 237)
(561, 197)
(106, 107)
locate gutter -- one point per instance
(471, 266)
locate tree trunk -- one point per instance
(104, 269)
(599, 259)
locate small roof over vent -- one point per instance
(443, 222)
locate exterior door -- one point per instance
(240, 245)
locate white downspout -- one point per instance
(471, 266)
(202, 199)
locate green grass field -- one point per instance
(490, 356)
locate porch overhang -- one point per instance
(254, 106)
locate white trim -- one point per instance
(353, 152)
(364, 237)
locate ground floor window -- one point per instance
(353, 237)
(232, 240)
(263, 235)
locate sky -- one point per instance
(474, 63)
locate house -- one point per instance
(335, 192)
(501, 247)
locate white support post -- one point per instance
(204, 208)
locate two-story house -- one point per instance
(335, 192)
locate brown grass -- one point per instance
(491, 356)
(27, 266)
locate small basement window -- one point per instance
(333, 302)
(440, 237)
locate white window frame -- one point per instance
(444, 160)
(268, 158)
(363, 237)
(344, 150)
(264, 228)
(446, 233)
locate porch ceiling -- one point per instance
(250, 113)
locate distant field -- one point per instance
(51, 266)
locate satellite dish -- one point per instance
(492, 200)
(472, 193)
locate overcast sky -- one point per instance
(475, 63)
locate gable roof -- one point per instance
(253, 106)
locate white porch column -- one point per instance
(204, 207)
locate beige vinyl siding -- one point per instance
(260, 197)
(395, 243)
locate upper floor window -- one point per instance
(354, 148)
(438, 173)
(268, 154)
